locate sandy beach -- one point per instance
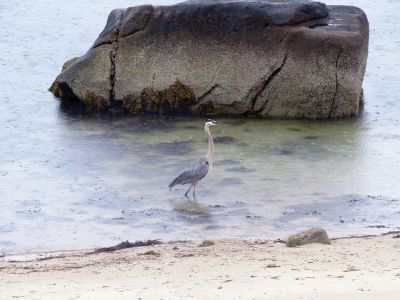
(349, 268)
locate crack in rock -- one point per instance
(113, 57)
(121, 32)
(102, 44)
(336, 85)
(208, 92)
(143, 21)
(259, 88)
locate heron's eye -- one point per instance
(206, 162)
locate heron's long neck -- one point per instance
(210, 154)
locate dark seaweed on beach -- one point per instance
(128, 244)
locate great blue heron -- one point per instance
(198, 170)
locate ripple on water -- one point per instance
(230, 181)
(169, 148)
(354, 209)
(240, 169)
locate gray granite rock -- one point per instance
(286, 59)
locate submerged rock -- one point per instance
(313, 235)
(224, 140)
(171, 148)
(291, 59)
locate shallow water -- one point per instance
(70, 182)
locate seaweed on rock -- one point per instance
(177, 98)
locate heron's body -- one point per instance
(194, 173)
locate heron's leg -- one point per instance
(194, 190)
(187, 192)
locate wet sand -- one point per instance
(350, 268)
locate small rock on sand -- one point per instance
(313, 235)
(206, 243)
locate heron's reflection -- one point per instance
(192, 211)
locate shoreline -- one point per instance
(46, 255)
(350, 268)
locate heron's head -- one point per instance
(210, 122)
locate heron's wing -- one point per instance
(201, 169)
(183, 177)
(192, 173)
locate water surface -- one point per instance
(68, 181)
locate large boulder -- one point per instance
(286, 59)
